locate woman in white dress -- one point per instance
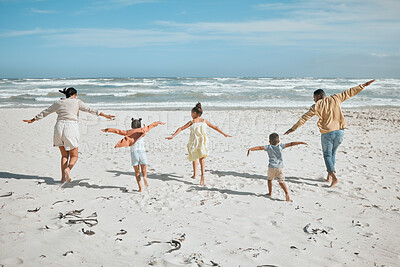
(66, 131)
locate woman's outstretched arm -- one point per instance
(110, 117)
(43, 114)
(216, 128)
(180, 129)
(86, 108)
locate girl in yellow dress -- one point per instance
(198, 140)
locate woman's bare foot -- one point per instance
(145, 181)
(140, 187)
(202, 181)
(66, 175)
(194, 176)
(287, 198)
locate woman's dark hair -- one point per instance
(197, 109)
(136, 123)
(68, 92)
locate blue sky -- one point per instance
(197, 38)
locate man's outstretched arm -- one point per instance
(352, 91)
(294, 144)
(306, 116)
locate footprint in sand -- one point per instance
(11, 261)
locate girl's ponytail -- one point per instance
(68, 92)
(197, 109)
(136, 123)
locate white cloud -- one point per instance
(37, 31)
(111, 5)
(336, 10)
(129, 2)
(331, 24)
(115, 38)
(39, 11)
(379, 55)
(274, 6)
(280, 25)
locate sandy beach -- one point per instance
(100, 219)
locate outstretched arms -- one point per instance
(143, 130)
(306, 116)
(180, 129)
(110, 117)
(294, 144)
(116, 131)
(43, 114)
(254, 149)
(86, 108)
(352, 91)
(368, 83)
(216, 128)
(29, 121)
(152, 125)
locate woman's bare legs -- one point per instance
(137, 175)
(144, 173)
(194, 169)
(64, 162)
(73, 158)
(202, 165)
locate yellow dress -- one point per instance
(198, 140)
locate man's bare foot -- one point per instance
(287, 198)
(202, 181)
(334, 182)
(329, 178)
(269, 194)
(66, 174)
(145, 181)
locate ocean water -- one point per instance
(183, 93)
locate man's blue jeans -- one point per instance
(330, 143)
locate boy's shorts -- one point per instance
(276, 172)
(138, 157)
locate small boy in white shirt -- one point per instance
(275, 166)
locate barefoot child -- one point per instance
(197, 146)
(275, 166)
(134, 139)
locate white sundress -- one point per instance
(198, 141)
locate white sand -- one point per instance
(229, 222)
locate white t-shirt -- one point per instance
(139, 145)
